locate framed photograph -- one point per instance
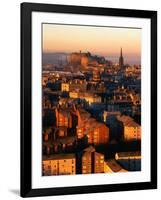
(88, 99)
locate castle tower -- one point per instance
(121, 60)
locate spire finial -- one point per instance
(121, 52)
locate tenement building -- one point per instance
(131, 129)
(71, 85)
(96, 132)
(59, 164)
(65, 117)
(92, 161)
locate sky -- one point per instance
(105, 41)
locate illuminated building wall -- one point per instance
(131, 129)
(60, 164)
(98, 133)
(65, 87)
(92, 161)
(90, 98)
(132, 133)
(63, 118)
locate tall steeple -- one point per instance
(121, 60)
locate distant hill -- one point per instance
(54, 58)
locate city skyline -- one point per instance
(104, 41)
(91, 107)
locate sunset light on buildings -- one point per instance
(91, 99)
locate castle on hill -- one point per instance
(85, 59)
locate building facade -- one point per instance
(96, 132)
(92, 161)
(89, 97)
(131, 129)
(129, 160)
(72, 85)
(65, 87)
(60, 164)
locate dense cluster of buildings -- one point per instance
(91, 116)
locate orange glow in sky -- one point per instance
(104, 41)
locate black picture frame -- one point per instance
(26, 104)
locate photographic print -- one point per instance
(88, 99)
(91, 99)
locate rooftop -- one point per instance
(129, 154)
(59, 157)
(127, 121)
(90, 149)
(115, 167)
(65, 140)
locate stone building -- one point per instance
(92, 161)
(96, 132)
(72, 85)
(89, 97)
(129, 160)
(131, 129)
(59, 164)
(66, 117)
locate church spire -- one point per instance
(121, 59)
